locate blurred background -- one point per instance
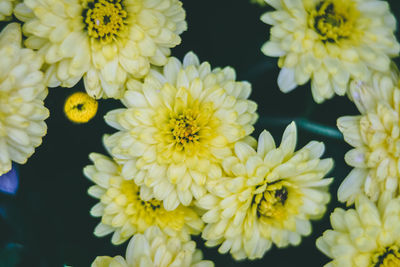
(47, 221)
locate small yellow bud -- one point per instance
(80, 107)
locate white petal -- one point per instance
(286, 80)
(351, 185)
(265, 143)
(190, 59)
(273, 49)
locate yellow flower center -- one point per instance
(105, 19)
(148, 206)
(389, 257)
(275, 202)
(144, 214)
(334, 20)
(185, 127)
(271, 202)
(80, 107)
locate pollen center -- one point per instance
(144, 213)
(150, 205)
(271, 202)
(390, 257)
(333, 20)
(185, 127)
(105, 19)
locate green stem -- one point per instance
(304, 124)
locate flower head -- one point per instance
(154, 248)
(105, 41)
(367, 236)
(22, 91)
(123, 212)
(375, 136)
(329, 42)
(80, 107)
(267, 196)
(177, 127)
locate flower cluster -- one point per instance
(177, 127)
(182, 159)
(369, 235)
(183, 156)
(346, 46)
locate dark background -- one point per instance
(47, 223)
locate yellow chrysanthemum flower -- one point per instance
(6, 8)
(105, 41)
(375, 136)
(329, 42)
(80, 107)
(267, 196)
(367, 236)
(178, 126)
(154, 248)
(22, 91)
(123, 212)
